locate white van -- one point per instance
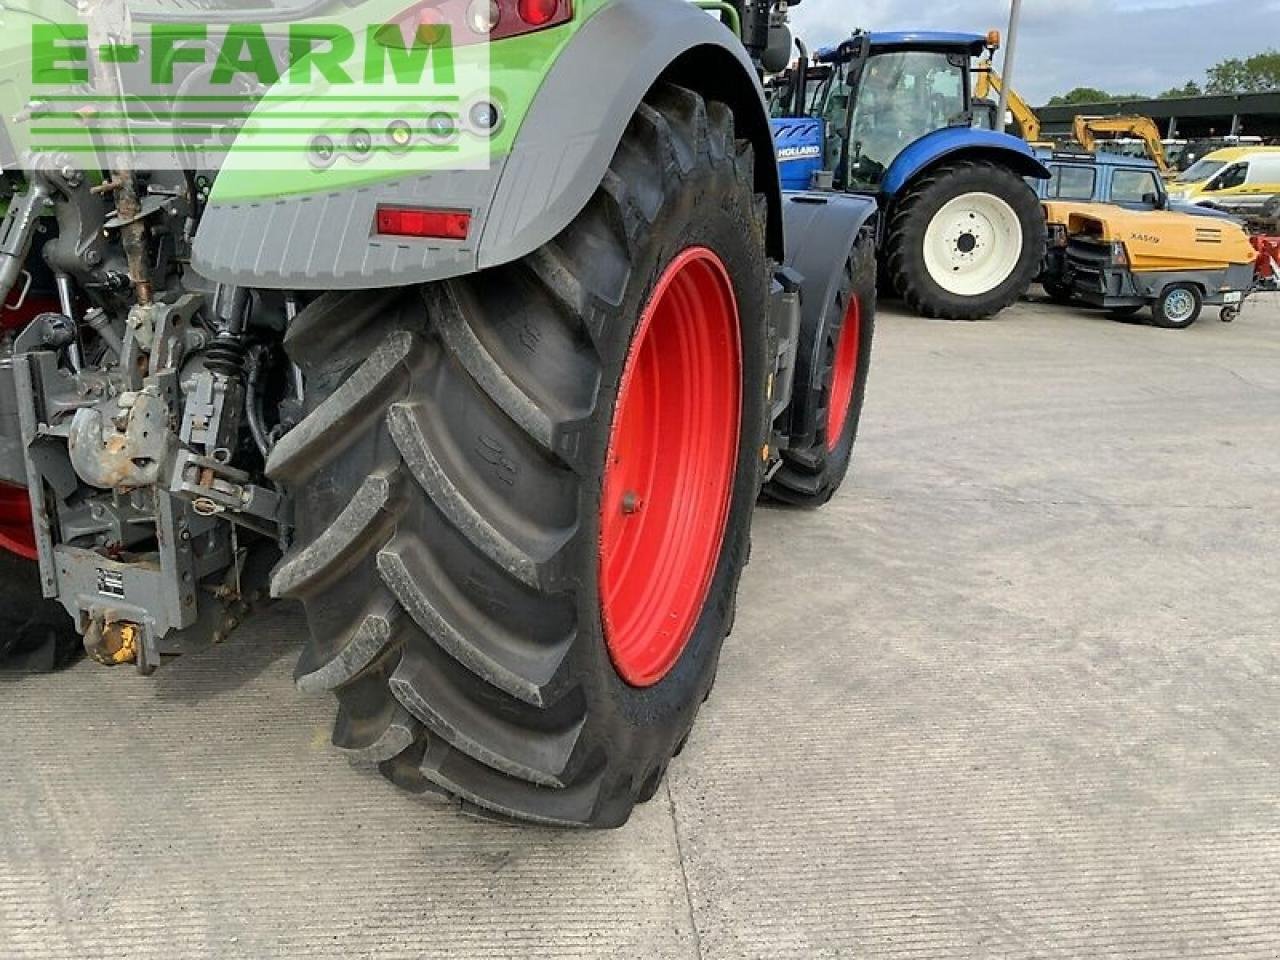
(1238, 179)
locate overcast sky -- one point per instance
(1118, 45)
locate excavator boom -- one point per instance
(1087, 131)
(986, 82)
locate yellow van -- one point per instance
(1237, 179)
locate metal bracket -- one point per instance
(24, 382)
(213, 489)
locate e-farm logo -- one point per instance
(60, 53)
(190, 94)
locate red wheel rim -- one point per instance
(844, 373)
(16, 534)
(669, 472)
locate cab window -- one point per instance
(831, 103)
(1134, 187)
(1071, 182)
(1229, 178)
(901, 97)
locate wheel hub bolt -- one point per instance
(630, 502)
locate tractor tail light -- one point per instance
(539, 13)
(417, 222)
(1119, 257)
(526, 16)
(477, 21)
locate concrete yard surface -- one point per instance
(1014, 693)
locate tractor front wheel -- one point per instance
(524, 497)
(831, 383)
(965, 241)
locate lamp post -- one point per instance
(1015, 14)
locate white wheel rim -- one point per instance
(1178, 305)
(973, 244)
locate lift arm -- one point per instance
(986, 82)
(1087, 129)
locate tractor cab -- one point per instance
(780, 90)
(892, 115)
(883, 92)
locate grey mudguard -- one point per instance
(565, 145)
(324, 241)
(821, 229)
(589, 97)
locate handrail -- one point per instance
(727, 10)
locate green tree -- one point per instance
(1081, 95)
(1256, 74)
(1188, 89)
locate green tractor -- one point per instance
(499, 427)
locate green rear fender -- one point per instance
(567, 93)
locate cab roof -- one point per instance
(883, 41)
(970, 43)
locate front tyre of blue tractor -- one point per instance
(523, 497)
(965, 240)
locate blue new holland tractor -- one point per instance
(892, 116)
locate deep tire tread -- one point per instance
(443, 607)
(907, 220)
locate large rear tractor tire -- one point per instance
(809, 476)
(523, 498)
(965, 241)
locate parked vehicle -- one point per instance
(1237, 179)
(507, 426)
(960, 234)
(1080, 181)
(1125, 260)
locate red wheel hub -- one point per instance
(16, 534)
(844, 373)
(669, 474)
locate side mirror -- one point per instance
(1152, 200)
(855, 48)
(777, 55)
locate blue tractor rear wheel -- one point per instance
(965, 240)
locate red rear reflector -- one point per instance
(415, 222)
(537, 13)
(467, 20)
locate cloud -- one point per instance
(1122, 46)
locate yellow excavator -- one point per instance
(1088, 131)
(987, 82)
